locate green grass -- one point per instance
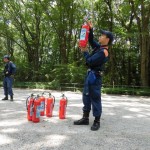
(127, 91)
(37, 85)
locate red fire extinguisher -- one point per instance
(84, 35)
(29, 105)
(50, 101)
(36, 110)
(42, 100)
(62, 107)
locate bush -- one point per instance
(127, 91)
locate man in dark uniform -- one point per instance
(9, 71)
(93, 80)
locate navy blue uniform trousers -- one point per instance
(7, 84)
(92, 95)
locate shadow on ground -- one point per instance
(125, 125)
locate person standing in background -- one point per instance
(9, 72)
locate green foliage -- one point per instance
(41, 37)
(127, 91)
(38, 85)
(69, 73)
(54, 85)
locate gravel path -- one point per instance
(125, 125)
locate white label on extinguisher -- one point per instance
(31, 112)
(38, 108)
(83, 34)
(42, 106)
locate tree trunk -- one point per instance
(143, 27)
(112, 66)
(145, 12)
(145, 62)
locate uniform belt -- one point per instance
(99, 73)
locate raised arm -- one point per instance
(92, 42)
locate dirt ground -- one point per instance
(125, 124)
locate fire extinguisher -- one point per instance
(62, 107)
(84, 35)
(50, 101)
(29, 105)
(36, 110)
(42, 100)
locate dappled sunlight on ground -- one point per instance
(125, 124)
(9, 130)
(57, 140)
(11, 122)
(4, 139)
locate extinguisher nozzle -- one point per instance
(50, 94)
(32, 95)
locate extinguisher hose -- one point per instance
(33, 104)
(67, 101)
(27, 102)
(54, 101)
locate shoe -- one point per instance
(82, 121)
(11, 98)
(5, 98)
(95, 126)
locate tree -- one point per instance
(42, 35)
(141, 11)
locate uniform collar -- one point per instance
(104, 46)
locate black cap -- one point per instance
(6, 56)
(108, 34)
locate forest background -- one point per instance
(41, 37)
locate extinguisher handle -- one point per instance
(28, 100)
(49, 94)
(63, 95)
(46, 92)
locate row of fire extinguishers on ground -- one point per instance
(41, 105)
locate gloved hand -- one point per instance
(89, 23)
(83, 49)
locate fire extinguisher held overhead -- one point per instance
(29, 106)
(84, 35)
(50, 101)
(36, 110)
(62, 107)
(42, 100)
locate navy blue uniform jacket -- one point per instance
(97, 58)
(10, 69)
